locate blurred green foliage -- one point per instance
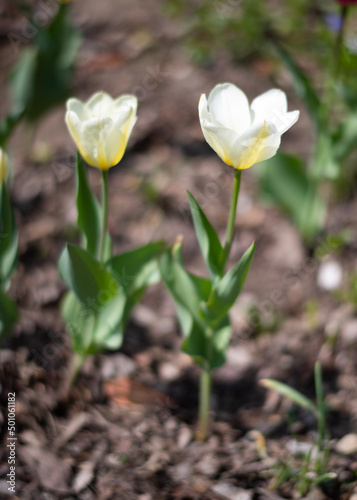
(8, 261)
(245, 26)
(42, 76)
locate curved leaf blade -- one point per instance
(87, 277)
(225, 291)
(88, 209)
(208, 240)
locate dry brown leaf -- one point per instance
(127, 391)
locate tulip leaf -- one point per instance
(89, 280)
(95, 329)
(186, 289)
(137, 268)
(210, 245)
(88, 209)
(42, 76)
(289, 392)
(207, 347)
(303, 87)
(8, 124)
(325, 165)
(8, 314)
(100, 303)
(284, 181)
(226, 290)
(108, 324)
(8, 237)
(345, 139)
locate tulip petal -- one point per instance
(78, 107)
(220, 139)
(100, 104)
(288, 121)
(203, 111)
(229, 107)
(266, 102)
(95, 133)
(127, 100)
(272, 106)
(101, 127)
(259, 143)
(117, 140)
(75, 128)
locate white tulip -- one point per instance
(101, 127)
(3, 166)
(241, 134)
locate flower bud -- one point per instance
(101, 127)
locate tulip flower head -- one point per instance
(240, 134)
(3, 166)
(101, 127)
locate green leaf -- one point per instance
(8, 124)
(325, 165)
(8, 314)
(8, 237)
(137, 268)
(79, 321)
(100, 307)
(210, 245)
(284, 181)
(186, 289)
(42, 76)
(93, 330)
(348, 94)
(345, 140)
(109, 325)
(289, 392)
(208, 348)
(131, 301)
(88, 209)
(226, 290)
(303, 87)
(88, 278)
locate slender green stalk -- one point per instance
(76, 365)
(321, 428)
(104, 214)
(231, 219)
(205, 399)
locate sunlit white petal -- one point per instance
(243, 135)
(258, 143)
(229, 107)
(99, 104)
(219, 138)
(101, 127)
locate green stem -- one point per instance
(75, 367)
(104, 214)
(321, 409)
(231, 219)
(205, 399)
(335, 67)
